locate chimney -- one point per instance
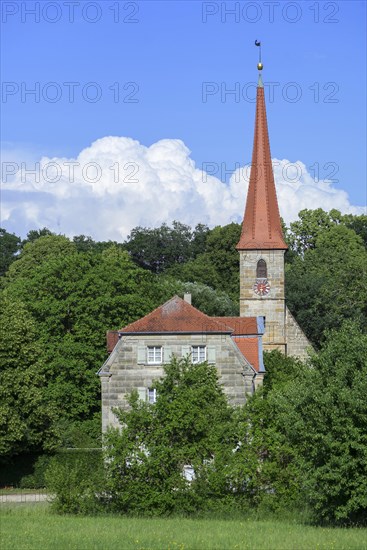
(187, 298)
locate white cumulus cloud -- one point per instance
(117, 184)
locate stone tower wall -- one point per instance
(272, 306)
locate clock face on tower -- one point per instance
(261, 287)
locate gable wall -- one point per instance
(123, 373)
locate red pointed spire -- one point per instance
(261, 227)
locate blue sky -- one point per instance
(164, 71)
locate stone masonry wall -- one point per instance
(272, 306)
(297, 343)
(123, 372)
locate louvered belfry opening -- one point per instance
(261, 269)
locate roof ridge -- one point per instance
(186, 315)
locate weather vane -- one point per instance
(259, 65)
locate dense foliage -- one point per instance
(27, 416)
(160, 248)
(299, 439)
(187, 429)
(327, 282)
(310, 425)
(9, 247)
(299, 443)
(73, 298)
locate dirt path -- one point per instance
(24, 497)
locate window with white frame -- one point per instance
(188, 472)
(155, 355)
(152, 395)
(198, 354)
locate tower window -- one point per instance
(261, 270)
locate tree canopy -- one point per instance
(328, 283)
(27, 416)
(9, 246)
(162, 460)
(160, 248)
(73, 298)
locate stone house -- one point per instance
(139, 351)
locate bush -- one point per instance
(189, 427)
(75, 478)
(311, 430)
(36, 480)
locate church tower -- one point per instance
(262, 248)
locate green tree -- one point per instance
(157, 249)
(199, 270)
(199, 237)
(320, 421)
(35, 253)
(9, 246)
(329, 282)
(27, 417)
(358, 224)
(212, 302)
(35, 234)
(74, 298)
(187, 426)
(218, 264)
(265, 461)
(85, 243)
(206, 299)
(303, 233)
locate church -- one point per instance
(235, 345)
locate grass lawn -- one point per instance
(35, 527)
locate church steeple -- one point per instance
(261, 227)
(262, 247)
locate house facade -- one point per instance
(140, 350)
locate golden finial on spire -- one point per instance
(259, 65)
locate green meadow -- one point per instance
(35, 527)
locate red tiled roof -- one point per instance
(112, 339)
(249, 347)
(176, 315)
(261, 227)
(240, 325)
